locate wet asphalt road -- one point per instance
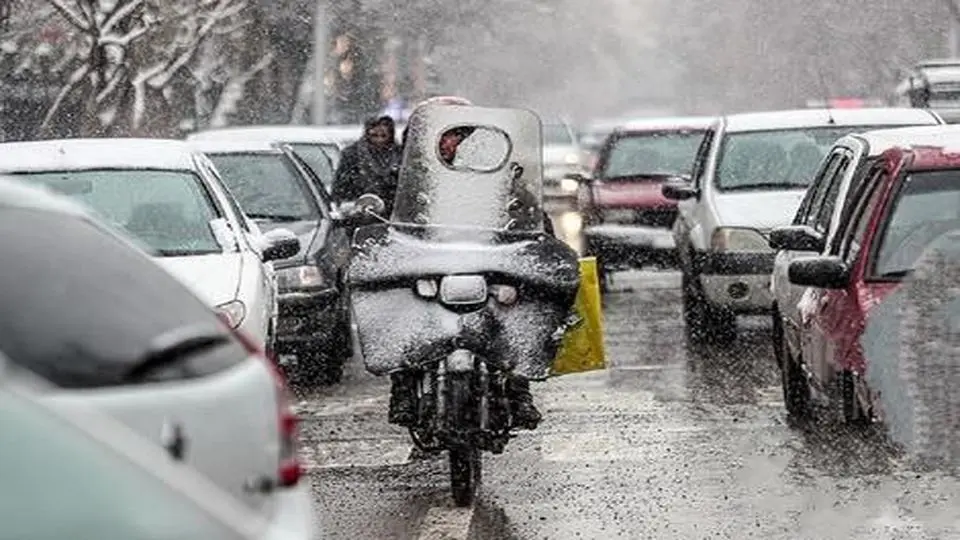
(669, 442)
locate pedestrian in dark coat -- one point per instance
(370, 165)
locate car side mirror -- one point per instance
(821, 272)
(797, 238)
(280, 244)
(679, 190)
(368, 203)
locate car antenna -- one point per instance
(826, 97)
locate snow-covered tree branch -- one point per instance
(129, 66)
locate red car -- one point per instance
(626, 219)
(904, 201)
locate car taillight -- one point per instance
(289, 469)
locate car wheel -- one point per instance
(777, 337)
(796, 391)
(853, 413)
(705, 323)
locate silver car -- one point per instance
(71, 472)
(110, 329)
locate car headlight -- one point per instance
(571, 159)
(569, 185)
(232, 313)
(301, 277)
(738, 239)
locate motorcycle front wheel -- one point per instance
(465, 461)
(465, 474)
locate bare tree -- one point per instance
(134, 66)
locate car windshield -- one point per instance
(653, 153)
(170, 212)
(267, 186)
(48, 462)
(927, 206)
(776, 159)
(557, 135)
(319, 158)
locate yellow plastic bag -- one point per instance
(582, 346)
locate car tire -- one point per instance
(776, 331)
(705, 323)
(796, 391)
(853, 413)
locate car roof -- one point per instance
(880, 140)
(801, 118)
(934, 146)
(259, 146)
(667, 123)
(19, 194)
(85, 154)
(281, 133)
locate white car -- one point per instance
(749, 176)
(310, 142)
(169, 198)
(315, 145)
(111, 330)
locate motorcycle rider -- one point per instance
(403, 388)
(369, 165)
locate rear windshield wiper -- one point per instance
(184, 252)
(175, 346)
(275, 217)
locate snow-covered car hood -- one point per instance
(758, 209)
(214, 278)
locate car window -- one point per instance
(170, 212)
(652, 153)
(786, 158)
(317, 157)
(59, 482)
(89, 306)
(699, 168)
(321, 191)
(926, 206)
(814, 195)
(829, 202)
(267, 185)
(231, 200)
(864, 207)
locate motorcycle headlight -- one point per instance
(427, 288)
(568, 185)
(232, 313)
(738, 239)
(301, 277)
(505, 294)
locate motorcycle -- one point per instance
(461, 287)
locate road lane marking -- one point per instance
(344, 406)
(446, 523)
(355, 454)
